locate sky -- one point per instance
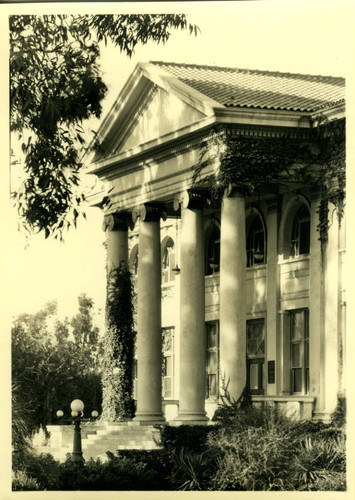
(290, 36)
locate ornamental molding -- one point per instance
(240, 130)
(192, 199)
(119, 221)
(149, 212)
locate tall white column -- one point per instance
(316, 311)
(192, 311)
(272, 298)
(331, 315)
(233, 292)
(149, 338)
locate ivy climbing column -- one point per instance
(233, 292)
(149, 335)
(118, 356)
(192, 310)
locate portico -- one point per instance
(246, 305)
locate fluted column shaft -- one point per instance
(233, 293)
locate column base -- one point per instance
(191, 418)
(322, 416)
(149, 418)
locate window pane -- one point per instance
(168, 366)
(296, 355)
(254, 376)
(304, 237)
(255, 338)
(297, 379)
(167, 387)
(212, 362)
(297, 325)
(211, 336)
(212, 385)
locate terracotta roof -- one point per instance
(235, 87)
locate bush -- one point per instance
(22, 482)
(316, 460)
(119, 473)
(189, 437)
(158, 462)
(43, 468)
(192, 470)
(252, 459)
(260, 448)
(339, 415)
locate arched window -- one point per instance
(300, 235)
(213, 251)
(256, 242)
(168, 260)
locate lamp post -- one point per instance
(77, 413)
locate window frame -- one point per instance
(212, 350)
(255, 359)
(168, 259)
(300, 220)
(303, 344)
(251, 234)
(168, 353)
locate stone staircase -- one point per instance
(119, 436)
(96, 439)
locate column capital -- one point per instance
(192, 198)
(119, 221)
(234, 191)
(149, 212)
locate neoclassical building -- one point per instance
(237, 294)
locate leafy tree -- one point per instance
(55, 85)
(49, 369)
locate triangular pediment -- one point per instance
(163, 113)
(149, 107)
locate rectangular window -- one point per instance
(212, 360)
(299, 351)
(255, 355)
(168, 362)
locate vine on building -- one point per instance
(251, 163)
(119, 345)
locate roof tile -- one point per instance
(234, 87)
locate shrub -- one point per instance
(316, 460)
(191, 437)
(43, 468)
(252, 459)
(22, 482)
(192, 470)
(339, 415)
(119, 473)
(158, 462)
